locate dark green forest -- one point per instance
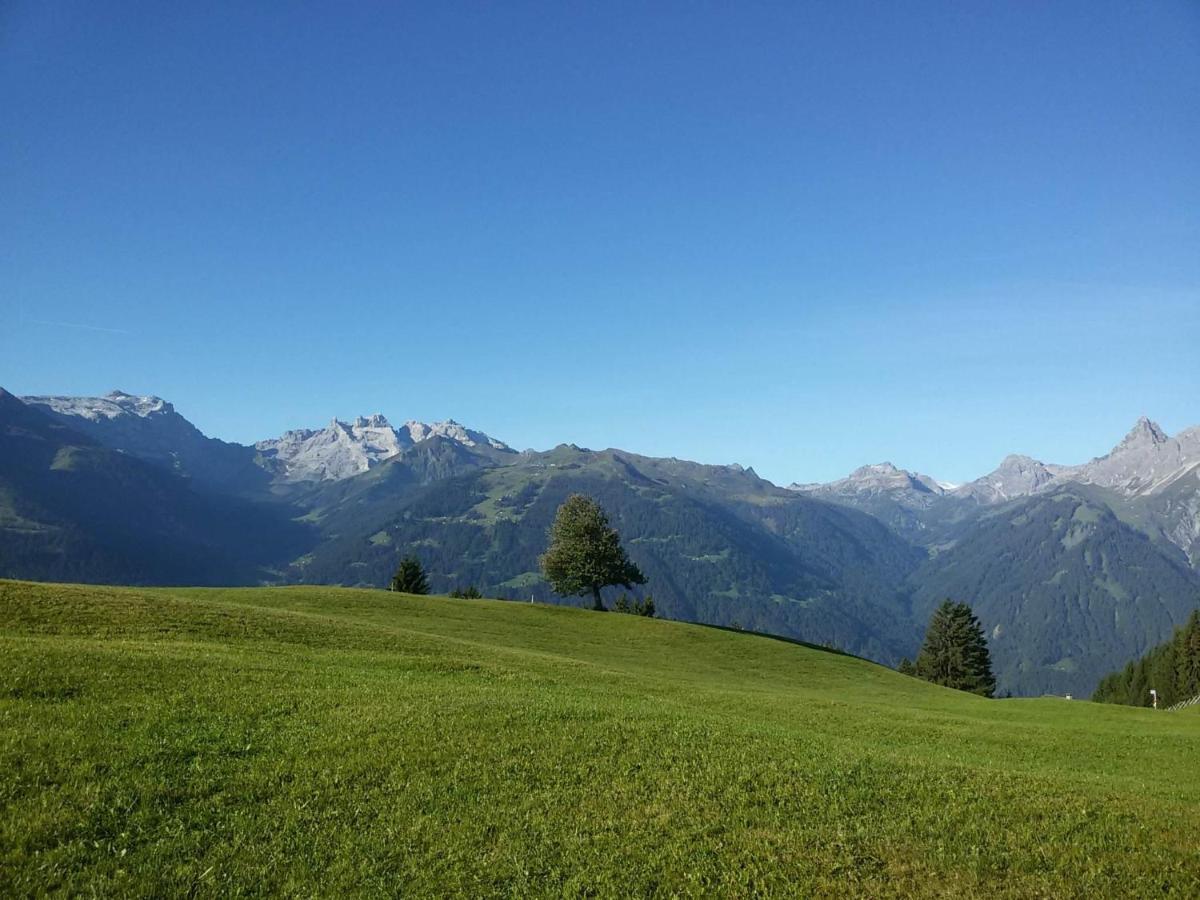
(1172, 669)
(1063, 587)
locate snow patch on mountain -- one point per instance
(110, 406)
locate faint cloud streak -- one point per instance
(81, 326)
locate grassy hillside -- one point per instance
(326, 741)
(717, 544)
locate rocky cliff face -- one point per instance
(1153, 480)
(1016, 476)
(149, 428)
(1145, 462)
(343, 449)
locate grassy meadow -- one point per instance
(319, 741)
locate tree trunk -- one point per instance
(597, 605)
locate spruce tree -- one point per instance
(955, 652)
(1187, 659)
(585, 552)
(410, 577)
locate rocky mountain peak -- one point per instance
(883, 468)
(376, 421)
(1016, 476)
(344, 449)
(1018, 462)
(874, 479)
(1144, 433)
(144, 405)
(420, 431)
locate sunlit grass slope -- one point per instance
(320, 741)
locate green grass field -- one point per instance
(316, 741)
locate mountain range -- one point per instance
(1073, 569)
(1149, 479)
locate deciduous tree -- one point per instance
(585, 553)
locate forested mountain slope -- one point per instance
(1072, 579)
(70, 508)
(718, 544)
(1064, 588)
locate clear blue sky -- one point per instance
(798, 236)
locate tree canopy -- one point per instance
(955, 652)
(585, 553)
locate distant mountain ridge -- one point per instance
(343, 449)
(1071, 568)
(149, 427)
(73, 509)
(1145, 461)
(1154, 479)
(898, 498)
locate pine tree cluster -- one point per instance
(1172, 669)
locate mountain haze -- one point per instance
(149, 428)
(71, 509)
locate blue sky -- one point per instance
(798, 236)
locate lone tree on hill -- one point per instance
(410, 577)
(585, 553)
(955, 652)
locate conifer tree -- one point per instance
(585, 552)
(1187, 662)
(410, 577)
(955, 652)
